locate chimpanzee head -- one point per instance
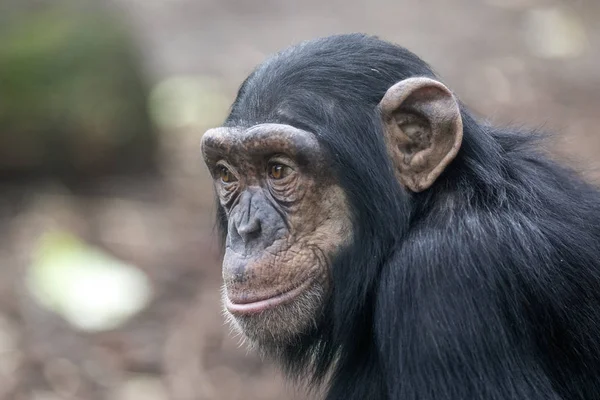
(314, 170)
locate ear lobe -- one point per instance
(423, 130)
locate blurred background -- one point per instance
(109, 271)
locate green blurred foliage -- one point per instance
(72, 96)
(91, 289)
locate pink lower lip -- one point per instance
(266, 304)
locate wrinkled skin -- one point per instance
(286, 220)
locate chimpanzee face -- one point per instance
(286, 220)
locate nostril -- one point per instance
(248, 228)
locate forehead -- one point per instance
(257, 140)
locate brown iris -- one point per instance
(226, 175)
(278, 171)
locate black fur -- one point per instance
(485, 286)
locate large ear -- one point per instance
(423, 130)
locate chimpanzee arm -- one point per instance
(449, 326)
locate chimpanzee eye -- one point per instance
(226, 175)
(278, 171)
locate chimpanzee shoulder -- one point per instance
(499, 273)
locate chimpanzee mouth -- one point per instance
(259, 305)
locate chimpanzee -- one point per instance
(381, 242)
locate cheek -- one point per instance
(330, 227)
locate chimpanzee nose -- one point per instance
(254, 224)
(249, 229)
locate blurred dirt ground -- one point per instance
(531, 62)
